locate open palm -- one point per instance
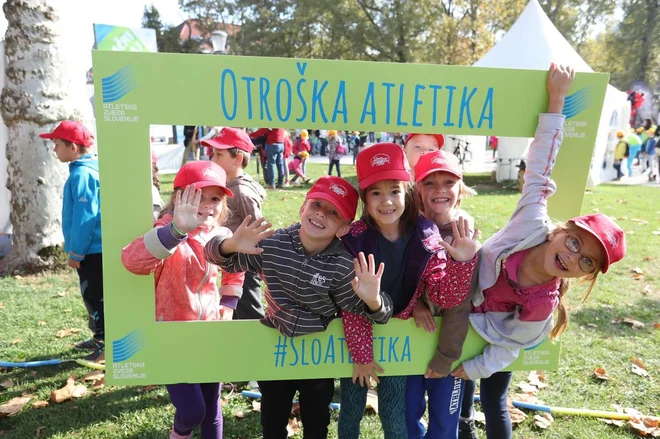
(186, 206)
(464, 247)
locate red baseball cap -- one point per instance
(203, 173)
(382, 161)
(437, 161)
(608, 233)
(438, 137)
(229, 138)
(72, 131)
(337, 191)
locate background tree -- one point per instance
(38, 94)
(167, 37)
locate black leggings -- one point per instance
(334, 163)
(493, 401)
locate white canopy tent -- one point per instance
(533, 42)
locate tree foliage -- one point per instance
(167, 37)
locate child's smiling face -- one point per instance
(419, 145)
(573, 254)
(385, 202)
(439, 193)
(321, 220)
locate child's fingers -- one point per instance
(372, 265)
(363, 263)
(381, 270)
(355, 283)
(378, 368)
(177, 199)
(197, 198)
(475, 235)
(454, 230)
(356, 266)
(266, 234)
(466, 227)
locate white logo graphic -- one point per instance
(318, 280)
(338, 189)
(380, 159)
(438, 161)
(455, 396)
(611, 238)
(211, 174)
(83, 199)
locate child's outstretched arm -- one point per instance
(240, 252)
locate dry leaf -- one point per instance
(16, 341)
(479, 417)
(640, 221)
(372, 400)
(600, 373)
(2, 305)
(67, 310)
(295, 409)
(656, 232)
(60, 294)
(13, 406)
(39, 404)
(537, 378)
(639, 371)
(38, 432)
(293, 427)
(69, 391)
(239, 414)
(617, 422)
(656, 325)
(67, 332)
(517, 416)
(527, 388)
(99, 384)
(638, 362)
(543, 420)
(638, 270)
(647, 258)
(94, 375)
(645, 425)
(647, 290)
(6, 384)
(592, 325)
(526, 397)
(146, 388)
(41, 323)
(256, 406)
(636, 324)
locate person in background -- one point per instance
(621, 151)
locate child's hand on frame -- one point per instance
(424, 317)
(464, 247)
(247, 236)
(459, 372)
(366, 282)
(186, 206)
(363, 373)
(226, 313)
(432, 374)
(559, 81)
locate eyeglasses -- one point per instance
(586, 264)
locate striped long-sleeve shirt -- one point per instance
(304, 293)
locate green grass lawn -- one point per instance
(31, 313)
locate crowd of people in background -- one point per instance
(638, 148)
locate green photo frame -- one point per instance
(136, 90)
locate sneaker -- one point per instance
(175, 435)
(270, 187)
(94, 356)
(92, 344)
(467, 430)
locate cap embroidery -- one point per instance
(611, 238)
(210, 173)
(438, 161)
(338, 189)
(380, 160)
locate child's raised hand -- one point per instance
(559, 80)
(464, 247)
(186, 206)
(362, 373)
(424, 317)
(366, 282)
(226, 313)
(247, 236)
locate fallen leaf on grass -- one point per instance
(645, 425)
(647, 290)
(146, 389)
(39, 404)
(372, 400)
(639, 371)
(67, 310)
(622, 201)
(67, 332)
(99, 384)
(617, 422)
(656, 232)
(526, 397)
(636, 324)
(293, 427)
(543, 420)
(656, 325)
(60, 294)
(640, 221)
(526, 387)
(69, 391)
(2, 305)
(638, 270)
(16, 341)
(648, 258)
(239, 414)
(41, 323)
(13, 406)
(6, 384)
(537, 378)
(592, 325)
(256, 406)
(94, 375)
(38, 432)
(517, 416)
(600, 373)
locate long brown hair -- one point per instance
(169, 208)
(562, 312)
(410, 214)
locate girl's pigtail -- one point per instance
(562, 313)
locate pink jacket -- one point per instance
(185, 282)
(296, 166)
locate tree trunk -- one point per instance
(37, 95)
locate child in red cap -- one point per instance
(186, 285)
(393, 233)
(81, 222)
(417, 145)
(231, 149)
(310, 277)
(524, 271)
(440, 186)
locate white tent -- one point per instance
(533, 42)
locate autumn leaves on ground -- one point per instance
(610, 359)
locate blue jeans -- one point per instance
(334, 163)
(493, 401)
(444, 406)
(274, 156)
(391, 405)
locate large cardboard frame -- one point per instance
(135, 90)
